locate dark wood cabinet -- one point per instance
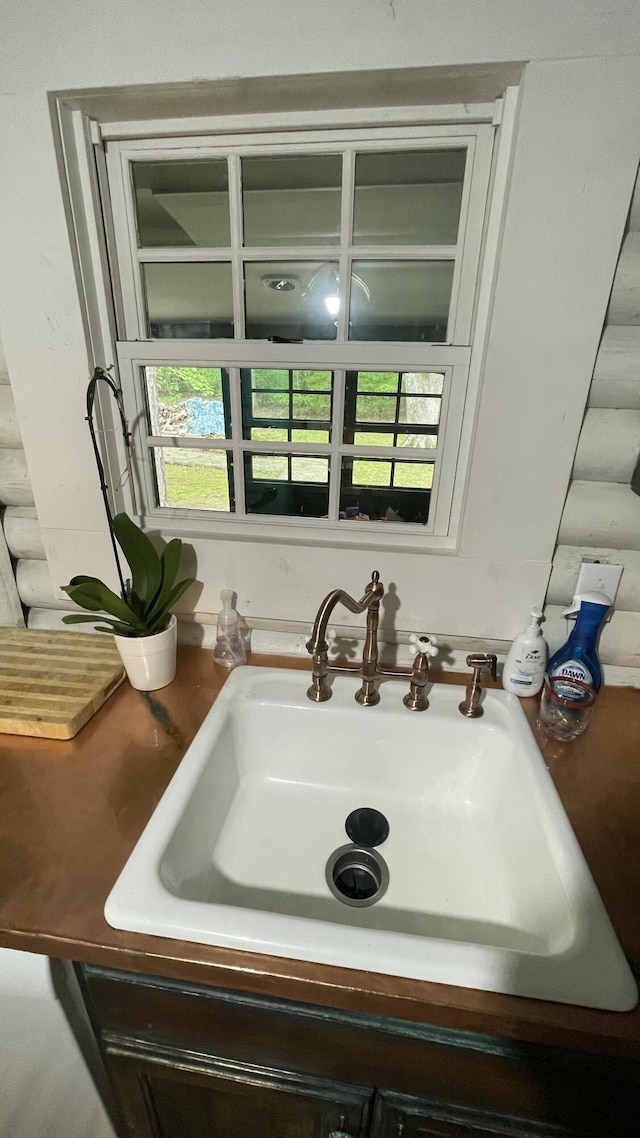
(188, 1061)
(175, 1096)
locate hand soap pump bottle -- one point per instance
(229, 650)
(578, 659)
(523, 672)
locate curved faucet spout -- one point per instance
(318, 648)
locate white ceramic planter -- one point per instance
(150, 661)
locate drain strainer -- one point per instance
(357, 876)
(367, 827)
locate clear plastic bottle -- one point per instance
(229, 650)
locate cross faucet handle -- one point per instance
(419, 642)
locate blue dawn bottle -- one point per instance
(578, 659)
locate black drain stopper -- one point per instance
(367, 827)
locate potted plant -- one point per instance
(140, 618)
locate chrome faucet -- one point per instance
(369, 672)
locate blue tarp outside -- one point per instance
(205, 416)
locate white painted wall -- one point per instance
(576, 155)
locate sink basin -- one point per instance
(487, 886)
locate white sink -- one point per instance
(487, 885)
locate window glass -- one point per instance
(405, 403)
(373, 489)
(400, 300)
(193, 479)
(408, 197)
(187, 401)
(183, 203)
(291, 300)
(188, 300)
(292, 199)
(301, 400)
(287, 485)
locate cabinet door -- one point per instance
(401, 1116)
(174, 1098)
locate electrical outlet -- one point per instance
(600, 577)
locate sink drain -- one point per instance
(357, 876)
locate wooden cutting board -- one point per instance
(51, 683)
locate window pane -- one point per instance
(372, 473)
(312, 407)
(300, 408)
(390, 491)
(194, 479)
(269, 434)
(290, 299)
(376, 408)
(408, 198)
(270, 378)
(304, 468)
(400, 300)
(310, 436)
(270, 405)
(182, 203)
(378, 381)
(420, 411)
(292, 199)
(287, 485)
(189, 301)
(187, 401)
(422, 383)
(417, 475)
(270, 466)
(312, 380)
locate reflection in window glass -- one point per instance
(292, 199)
(188, 401)
(401, 300)
(389, 491)
(188, 300)
(182, 203)
(283, 396)
(408, 198)
(192, 479)
(393, 400)
(290, 299)
(287, 485)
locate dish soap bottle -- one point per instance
(523, 672)
(229, 650)
(578, 659)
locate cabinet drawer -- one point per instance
(568, 1089)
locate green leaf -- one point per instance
(116, 626)
(146, 570)
(172, 599)
(96, 597)
(170, 563)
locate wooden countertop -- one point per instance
(71, 812)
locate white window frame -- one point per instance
(454, 358)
